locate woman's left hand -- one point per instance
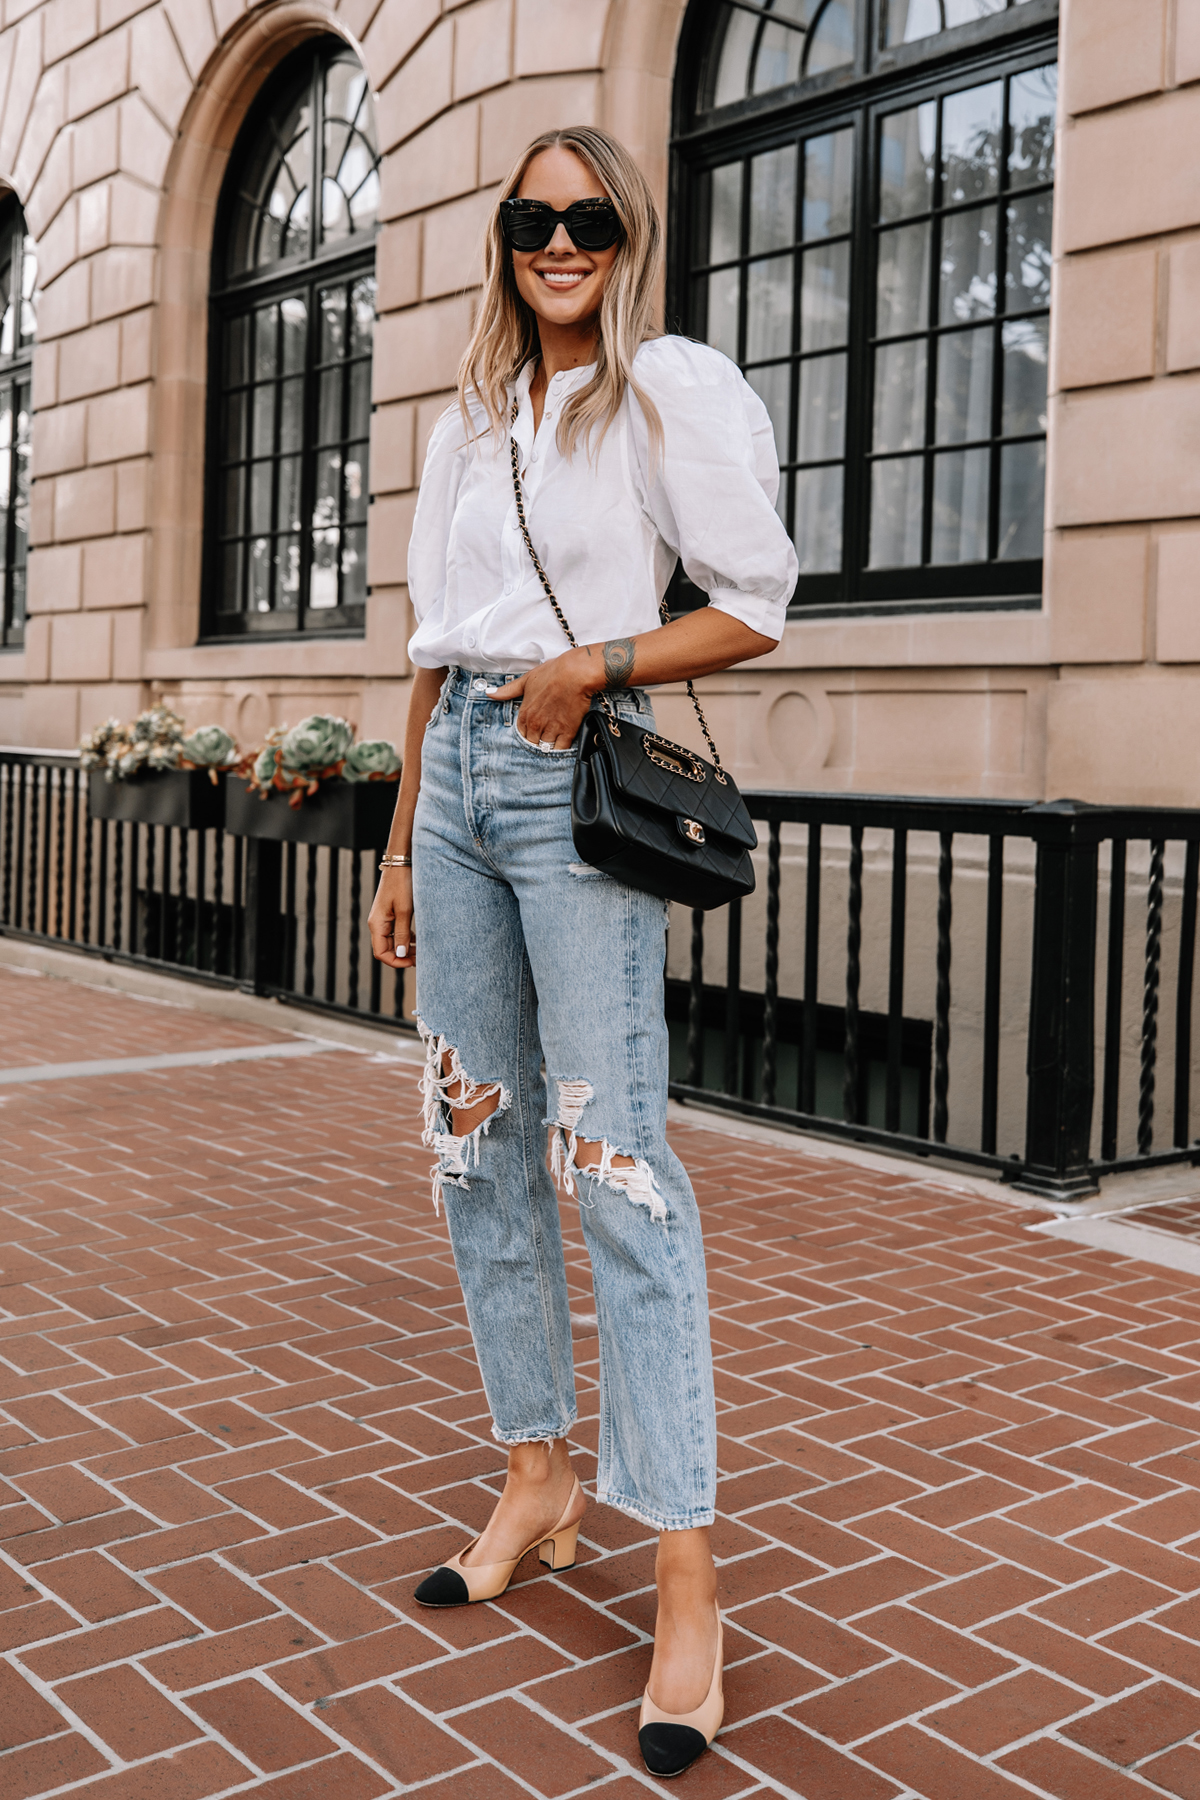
(554, 698)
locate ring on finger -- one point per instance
(546, 744)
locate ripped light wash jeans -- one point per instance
(525, 954)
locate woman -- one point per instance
(634, 450)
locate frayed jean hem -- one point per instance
(685, 1522)
(535, 1436)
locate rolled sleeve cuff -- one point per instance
(764, 616)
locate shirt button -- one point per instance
(470, 643)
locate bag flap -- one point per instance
(647, 770)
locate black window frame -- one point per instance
(878, 81)
(339, 264)
(16, 385)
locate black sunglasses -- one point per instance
(530, 224)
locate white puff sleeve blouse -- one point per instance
(608, 528)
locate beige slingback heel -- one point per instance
(462, 1584)
(671, 1742)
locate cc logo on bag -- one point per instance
(693, 831)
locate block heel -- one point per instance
(461, 1584)
(558, 1550)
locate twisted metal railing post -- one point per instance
(850, 1107)
(695, 1023)
(1154, 898)
(941, 1033)
(771, 973)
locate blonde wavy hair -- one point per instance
(506, 332)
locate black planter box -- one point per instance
(180, 797)
(346, 815)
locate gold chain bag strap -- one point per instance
(645, 810)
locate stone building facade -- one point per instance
(118, 122)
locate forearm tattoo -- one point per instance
(618, 662)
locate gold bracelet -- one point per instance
(396, 862)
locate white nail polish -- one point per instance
(492, 692)
(403, 950)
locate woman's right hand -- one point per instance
(393, 938)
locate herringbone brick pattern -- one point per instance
(959, 1511)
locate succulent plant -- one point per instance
(316, 744)
(374, 760)
(209, 747)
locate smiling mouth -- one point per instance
(563, 278)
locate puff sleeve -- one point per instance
(712, 492)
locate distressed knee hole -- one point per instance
(457, 1112)
(597, 1158)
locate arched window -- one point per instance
(293, 314)
(867, 203)
(18, 329)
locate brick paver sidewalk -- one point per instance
(959, 1514)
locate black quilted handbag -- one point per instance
(646, 811)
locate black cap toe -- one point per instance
(670, 1749)
(445, 1587)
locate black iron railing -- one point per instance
(285, 920)
(915, 974)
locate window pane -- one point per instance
(1022, 501)
(769, 308)
(6, 436)
(1032, 104)
(287, 574)
(903, 302)
(356, 482)
(266, 334)
(323, 583)
(230, 597)
(291, 415)
(360, 400)
(1026, 353)
(260, 575)
(350, 191)
(237, 351)
(818, 516)
(737, 47)
(1027, 281)
(900, 396)
(778, 61)
(233, 430)
(971, 142)
(326, 504)
(773, 385)
(233, 518)
(965, 12)
(968, 267)
(822, 422)
(896, 505)
(831, 45)
(908, 20)
(825, 297)
(362, 316)
(828, 183)
(963, 402)
(907, 147)
(272, 213)
(773, 199)
(333, 324)
(264, 420)
(294, 314)
(261, 484)
(329, 423)
(960, 506)
(725, 226)
(722, 330)
(288, 510)
(354, 566)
